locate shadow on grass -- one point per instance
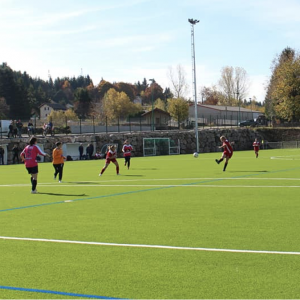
(145, 169)
(68, 195)
(84, 182)
(123, 175)
(250, 171)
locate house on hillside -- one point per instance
(160, 118)
(46, 108)
(221, 115)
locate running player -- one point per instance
(58, 161)
(127, 148)
(256, 145)
(111, 156)
(227, 153)
(29, 155)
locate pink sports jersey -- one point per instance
(30, 153)
(127, 150)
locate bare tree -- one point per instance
(178, 81)
(234, 83)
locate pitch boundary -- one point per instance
(150, 246)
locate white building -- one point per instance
(46, 108)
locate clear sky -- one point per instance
(129, 40)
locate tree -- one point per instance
(284, 89)
(211, 96)
(103, 88)
(178, 81)
(117, 105)
(154, 91)
(127, 88)
(4, 109)
(60, 117)
(270, 102)
(160, 104)
(178, 108)
(83, 102)
(234, 83)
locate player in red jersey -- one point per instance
(28, 155)
(127, 148)
(227, 153)
(111, 156)
(256, 145)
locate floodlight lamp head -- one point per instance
(193, 22)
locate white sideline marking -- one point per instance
(150, 246)
(170, 185)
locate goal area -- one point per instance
(160, 146)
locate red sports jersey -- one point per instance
(111, 155)
(127, 150)
(256, 145)
(30, 153)
(228, 151)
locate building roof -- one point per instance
(156, 110)
(55, 106)
(225, 108)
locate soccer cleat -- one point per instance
(54, 178)
(60, 181)
(118, 174)
(34, 192)
(217, 161)
(100, 174)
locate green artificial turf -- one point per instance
(186, 203)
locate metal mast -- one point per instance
(194, 22)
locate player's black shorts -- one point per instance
(33, 170)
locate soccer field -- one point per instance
(171, 227)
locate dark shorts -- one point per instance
(33, 170)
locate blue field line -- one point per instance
(144, 190)
(55, 292)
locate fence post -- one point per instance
(93, 125)
(106, 124)
(129, 124)
(118, 124)
(140, 123)
(80, 125)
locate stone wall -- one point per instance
(209, 139)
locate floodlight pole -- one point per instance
(194, 22)
(152, 115)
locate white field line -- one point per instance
(150, 246)
(141, 180)
(164, 185)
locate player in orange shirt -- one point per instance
(111, 156)
(256, 145)
(58, 161)
(227, 153)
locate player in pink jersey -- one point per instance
(111, 156)
(28, 156)
(127, 148)
(256, 145)
(227, 153)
